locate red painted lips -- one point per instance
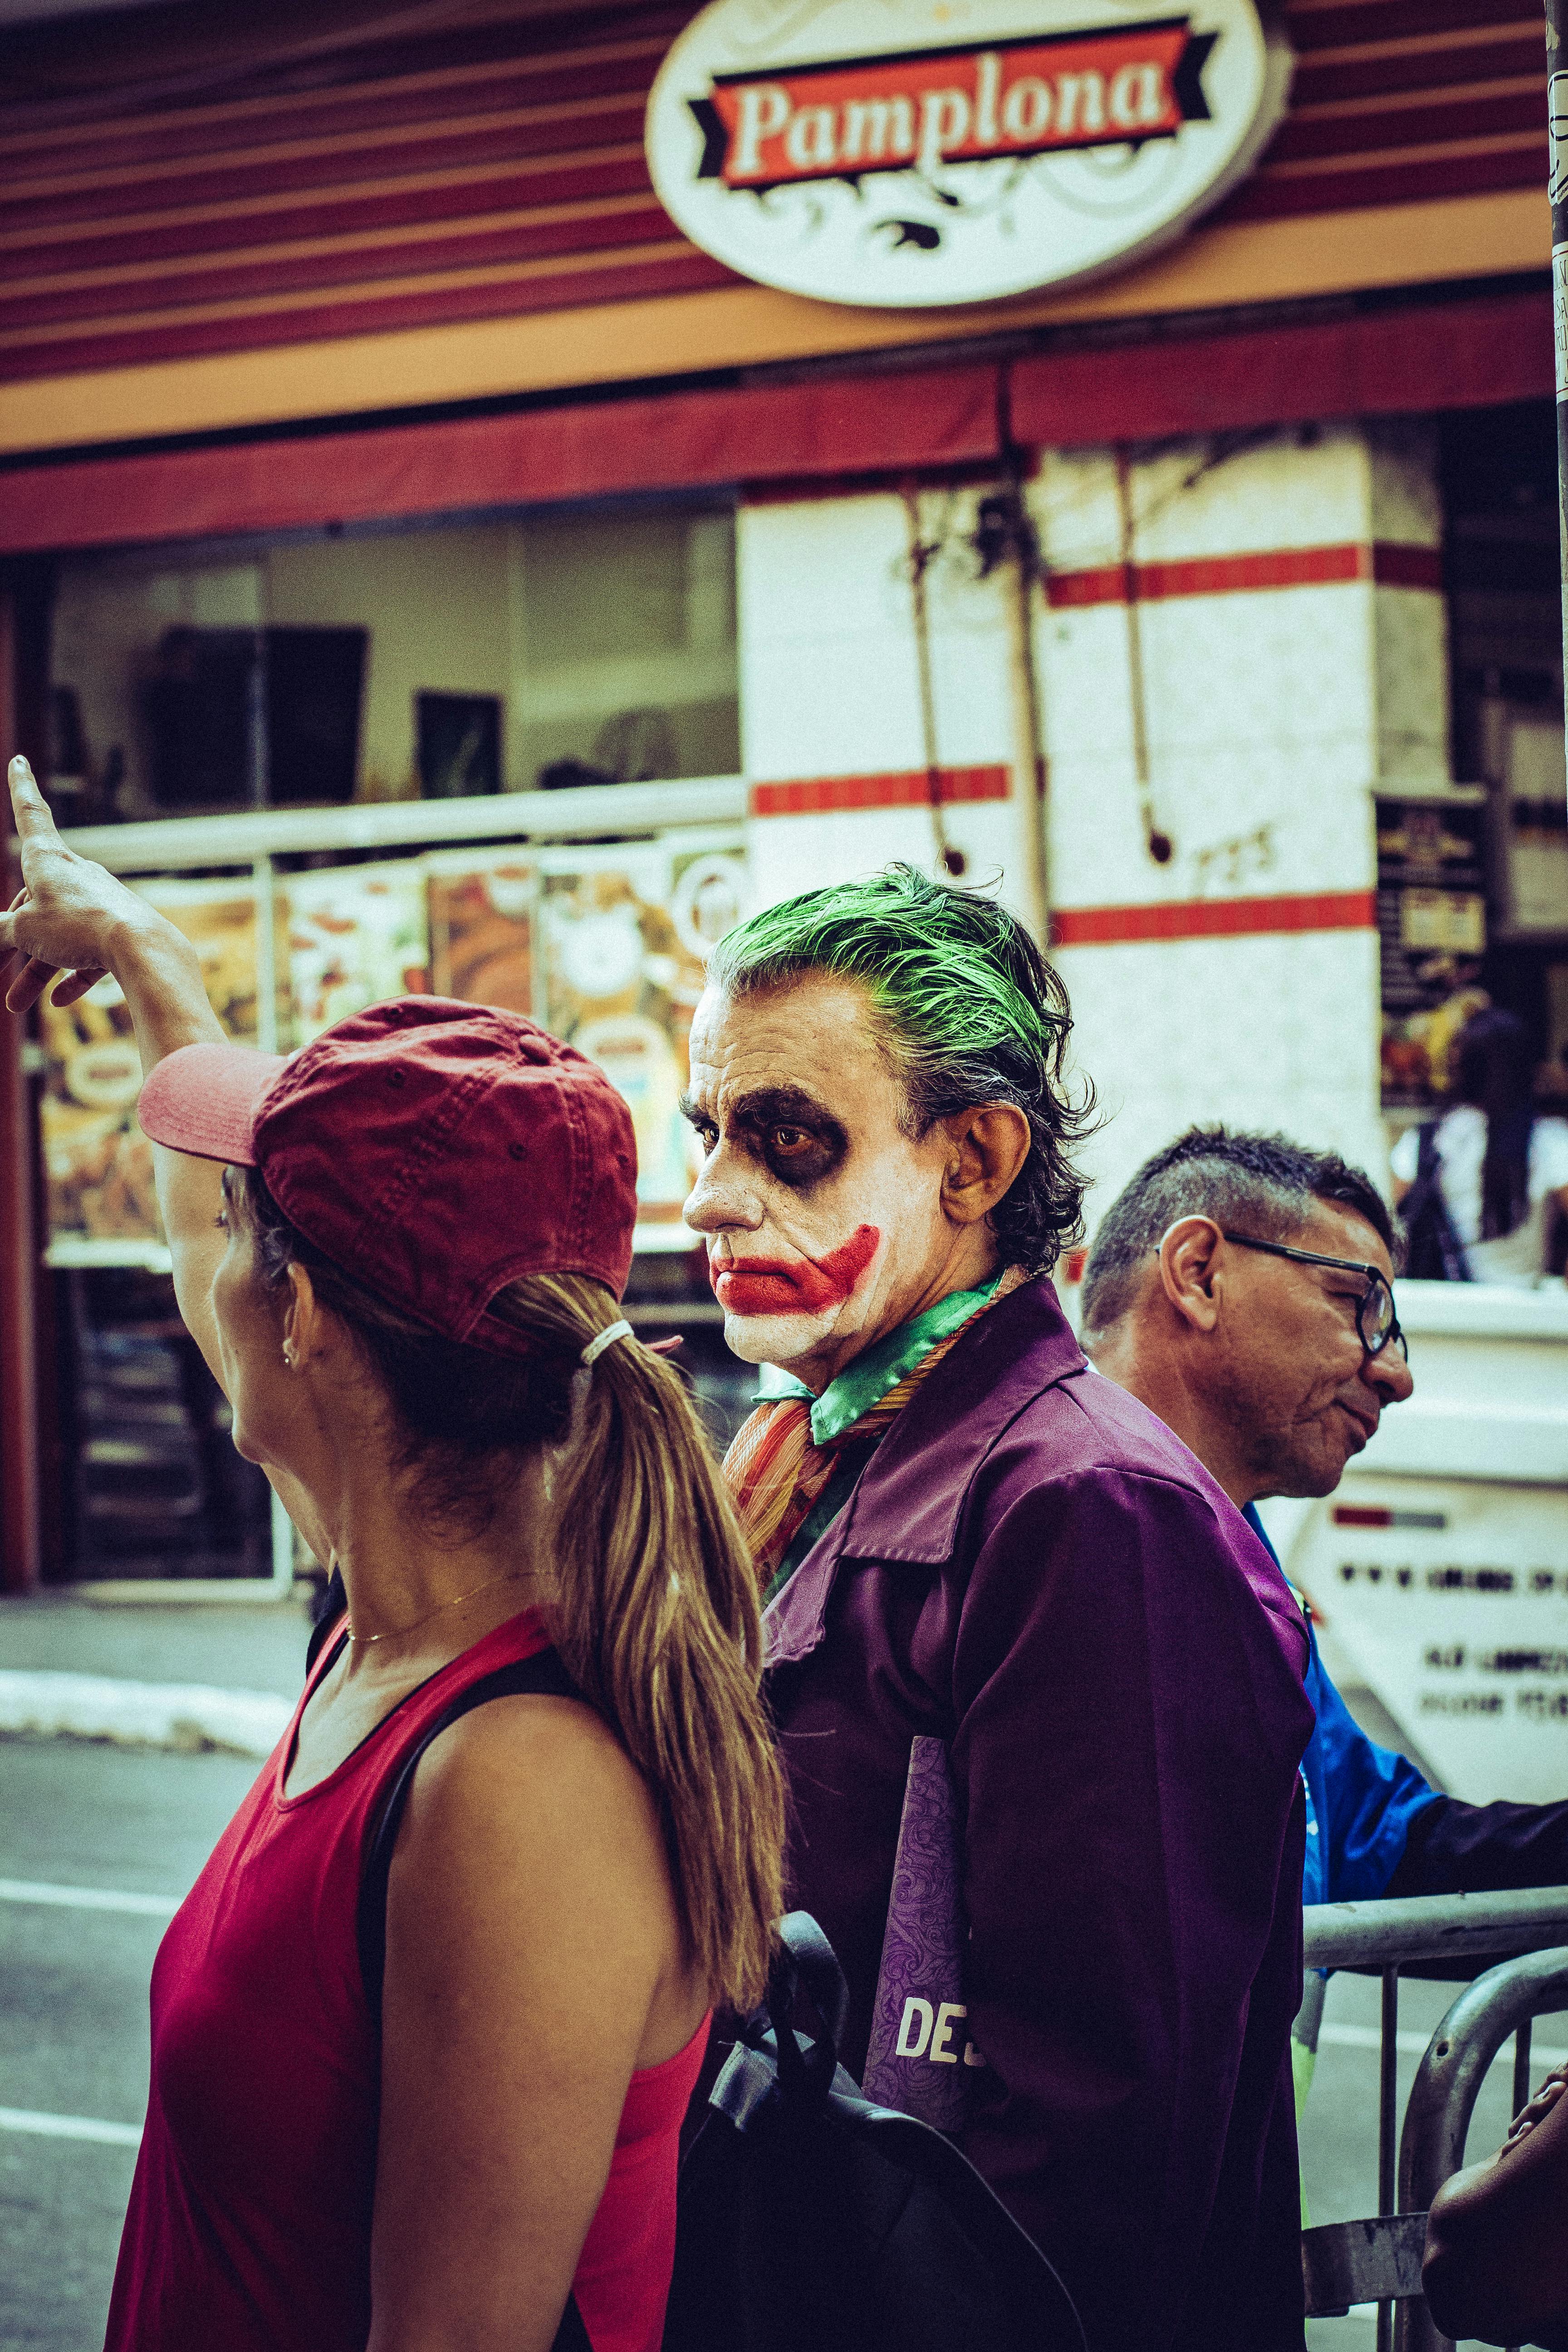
(801, 1285)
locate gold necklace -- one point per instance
(508, 1575)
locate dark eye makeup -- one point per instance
(798, 1155)
(794, 1137)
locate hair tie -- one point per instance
(603, 1339)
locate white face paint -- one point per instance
(825, 1221)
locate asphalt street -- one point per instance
(73, 2028)
(73, 2004)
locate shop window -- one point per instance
(1506, 603)
(626, 645)
(523, 653)
(1473, 896)
(268, 717)
(154, 1486)
(446, 665)
(152, 661)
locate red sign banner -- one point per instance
(934, 108)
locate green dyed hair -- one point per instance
(967, 1009)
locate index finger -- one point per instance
(31, 810)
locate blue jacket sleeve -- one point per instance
(1363, 1799)
(1360, 1799)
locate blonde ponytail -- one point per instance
(655, 1613)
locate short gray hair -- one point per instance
(1265, 1183)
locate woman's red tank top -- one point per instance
(250, 2220)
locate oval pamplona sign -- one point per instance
(916, 152)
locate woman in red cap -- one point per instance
(450, 2120)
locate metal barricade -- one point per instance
(1442, 2095)
(1378, 2260)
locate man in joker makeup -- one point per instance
(968, 1535)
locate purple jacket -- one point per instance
(1034, 1568)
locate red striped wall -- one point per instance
(1390, 565)
(1074, 927)
(1213, 918)
(825, 795)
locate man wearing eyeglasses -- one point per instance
(1242, 1288)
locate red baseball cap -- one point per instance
(433, 1150)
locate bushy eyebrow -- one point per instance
(782, 1107)
(768, 1107)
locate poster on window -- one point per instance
(1432, 934)
(482, 910)
(97, 1164)
(356, 935)
(626, 934)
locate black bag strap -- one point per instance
(805, 1962)
(542, 1675)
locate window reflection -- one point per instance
(519, 654)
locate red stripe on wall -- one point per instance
(1213, 918)
(1231, 575)
(826, 795)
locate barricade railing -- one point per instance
(1442, 2095)
(1378, 2259)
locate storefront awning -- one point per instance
(821, 428)
(1407, 359)
(684, 440)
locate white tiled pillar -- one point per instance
(1283, 679)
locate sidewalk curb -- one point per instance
(188, 1716)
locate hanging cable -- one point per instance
(922, 554)
(1157, 842)
(1005, 539)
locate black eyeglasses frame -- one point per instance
(1376, 1280)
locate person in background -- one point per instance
(1242, 1287)
(972, 1539)
(1496, 2264)
(400, 1252)
(1491, 1169)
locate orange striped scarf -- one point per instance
(776, 1470)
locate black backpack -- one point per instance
(1433, 1250)
(808, 2220)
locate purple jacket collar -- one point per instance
(908, 1502)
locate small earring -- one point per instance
(289, 1353)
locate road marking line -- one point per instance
(24, 2119)
(88, 1898)
(1414, 2045)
